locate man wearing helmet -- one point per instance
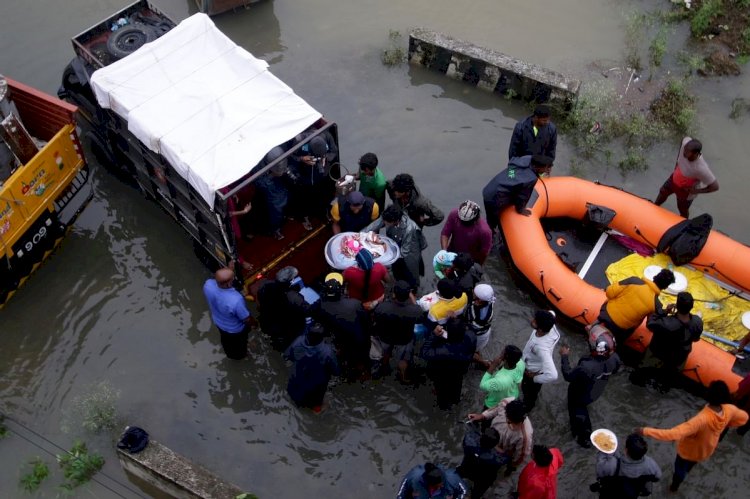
(587, 382)
(465, 231)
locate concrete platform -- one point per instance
(490, 70)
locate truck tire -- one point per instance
(129, 38)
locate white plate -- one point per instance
(746, 319)
(680, 281)
(606, 432)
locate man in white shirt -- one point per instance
(691, 176)
(537, 354)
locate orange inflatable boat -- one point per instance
(566, 258)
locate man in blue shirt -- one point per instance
(229, 313)
(431, 481)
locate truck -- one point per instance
(44, 179)
(189, 118)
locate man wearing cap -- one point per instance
(586, 383)
(229, 313)
(465, 231)
(313, 186)
(513, 186)
(534, 135)
(353, 213)
(314, 363)
(346, 319)
(371, 179)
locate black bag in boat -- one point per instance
(684, 241)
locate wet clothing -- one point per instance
(628, 303)
(479, 465)
(673, 339)
(512, 186)
(229, 313)
(698, 437)
(419, 208)
(447, 364)
(516, 443)
(526, 141)
(354, 277)
(621, 477)
(393, 321)
(685, 176)
(479, 321)
(408, 237)
(475, 239)
(284, 313)
(469, 279)
(313, 367)
(414, 485)
(537, 482)
(347, 320)
(537, 354)
(502, 384)
(374, 187)
(349, 221)
(586, 384)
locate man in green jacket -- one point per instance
(503, 376)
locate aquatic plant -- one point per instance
(32, 480)
(740, 106)
(95, 410)
(675, 106)
(78, 466)
(657, 49)
(635, 27)
(394, 54)
(634, 161)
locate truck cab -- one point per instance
(44, 179)
(190, 118)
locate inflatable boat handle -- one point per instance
(725, 341)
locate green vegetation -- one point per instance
(675, 107)
(740, 107)
(78, 466)
(246, 495)
(510, 94)
(634, 160)
(704, 16)
(635, 27)
(32, 480)
(394, 54)
(95, 410)
(656, 50)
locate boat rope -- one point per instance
(541, 279)
(638, 231)
(546, 194)
(713, 267)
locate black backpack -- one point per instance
(684, 241)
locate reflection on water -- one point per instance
(121, 300)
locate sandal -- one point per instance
(307, 225)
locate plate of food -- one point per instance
(604, 440)
(341, 250)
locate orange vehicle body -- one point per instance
(721, 257)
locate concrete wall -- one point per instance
(174, 475)
(489, 69)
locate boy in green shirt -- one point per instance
(371, 179)
(503, 377)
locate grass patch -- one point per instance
(656, 50)
(675, 107)
(32, 480)
(635, 28)
(78, 466)
(704, 17)
(395, 53)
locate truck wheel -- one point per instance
(128, 39)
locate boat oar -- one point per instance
(725, 341)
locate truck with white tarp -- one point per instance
(190, 117)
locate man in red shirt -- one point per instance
(691, 176)
(538, 480)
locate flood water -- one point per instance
(121, 299)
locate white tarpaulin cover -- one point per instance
(205, 104)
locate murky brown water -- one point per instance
(121, 300)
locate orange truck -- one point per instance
(44, 179)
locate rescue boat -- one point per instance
(564, 252)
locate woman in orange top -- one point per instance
(698, 437)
